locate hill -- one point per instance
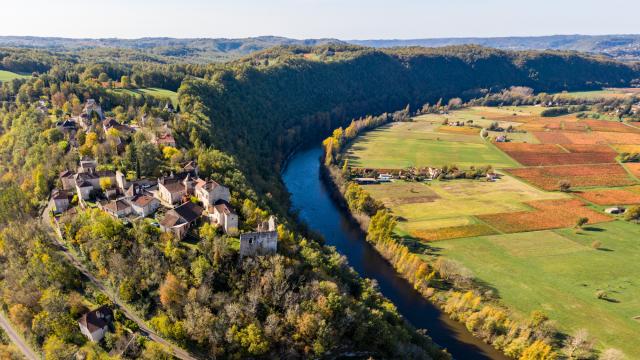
(203, 50)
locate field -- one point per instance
(602, 94)
(450, 209)
(624, 196)
(8, 76)
(420, 144)
(155, 92)
(549, 177)
(517, 234)
(544, 215)
(559, 273)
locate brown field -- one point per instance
(454, 232)
(609, 126)
(578, 175)
(550, 154)
(611, 197)
(634, 168)
(548, 214)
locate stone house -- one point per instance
(117, 208)
(95, 324)
(67, 179)
(60, 200)
(171, 190)
(262, 242)
(144, 205)
(223, 215)
(92, 106)
(179, 220)
(84, 189)
(209, 192)
(87, 166)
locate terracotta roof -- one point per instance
(165, 139)
(207, 185)
(190, 166)
(142, 200)
(96, 319)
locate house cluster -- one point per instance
(122, 198)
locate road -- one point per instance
(17, 339)
(56, 236)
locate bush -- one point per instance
(551, 112)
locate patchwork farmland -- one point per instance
(518, 234)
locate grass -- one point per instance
(559, 272)
(154, 92)
(419, 144)
(8, 76)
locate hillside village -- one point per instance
(177, 201)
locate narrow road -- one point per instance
(57, 238)
(17, 339)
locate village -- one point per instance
(177, 203)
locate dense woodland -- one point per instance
(239, 121)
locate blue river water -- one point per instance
(311, 198)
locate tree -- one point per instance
(579, 346)
(126, 83)
(172, 293)
(581, 222)
(105, 183)
(564, 186)
(56, 349)
(632, 213)
(538, 351)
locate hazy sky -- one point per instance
(343, 19)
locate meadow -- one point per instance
(155, 92)
(8, 76)
(560, 273)
(420, 144)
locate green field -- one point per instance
(559, 272)
(155, 92)
(419, 144)
(605, 93)
(8, 76)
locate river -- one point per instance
(312, 200)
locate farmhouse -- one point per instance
(117, 208)
(95, 324)
(87, 165)
(111, 123)
(262, 242)
(225, 217)
(178, 220)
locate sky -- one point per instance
(342, 19)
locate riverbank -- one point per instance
(454, 293)
(312, 199)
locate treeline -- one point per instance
(264, 106)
